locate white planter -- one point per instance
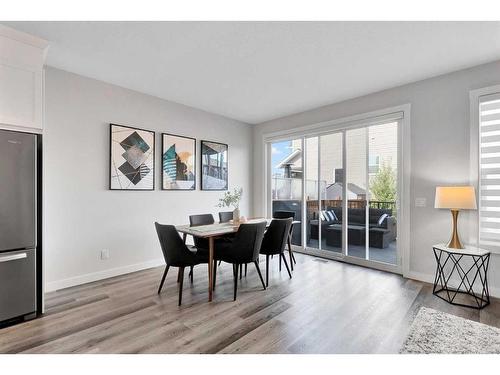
(236, 215)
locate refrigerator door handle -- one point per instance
(8, 258)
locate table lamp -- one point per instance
(455, 198)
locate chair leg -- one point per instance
(214, 275)
(260, 274)
(286, 264)
(179, 275)
(292, 257)
(191, 273)
(235, 277)
(246, 266)
(280, 263)
(267, 270)
(181, 281)
(241, 270)
(163, 278)
(220, 261)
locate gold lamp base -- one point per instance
(455, 241)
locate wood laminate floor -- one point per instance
(327, 307)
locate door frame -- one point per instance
(402, 114)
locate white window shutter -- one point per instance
(489, 172)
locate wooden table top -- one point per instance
(218, 229)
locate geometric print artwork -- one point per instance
(178, 162)
(132, 158)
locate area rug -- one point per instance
(437, 332)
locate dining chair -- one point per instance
(202, 243)
(176, 254)
(274, 242)
(286, 215)
(196, 220)
(243, 249)
(225, 216)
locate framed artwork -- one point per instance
(214, 166)
(132, 158)
(178, 160)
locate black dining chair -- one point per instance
(196, 220)
(274, 242)
(243, 249)
(202, 243)
(225, 216)
(176, 254)
(286, 215)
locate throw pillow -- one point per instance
(332, 215)
(382, 218)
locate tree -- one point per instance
(383, 184)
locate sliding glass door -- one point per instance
(383, 171)
(286, 181)
(331, 177)
(357, 192)
(343, 187)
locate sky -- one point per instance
(280, 150)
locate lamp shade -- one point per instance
(455, 197)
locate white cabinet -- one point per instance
(21, 80)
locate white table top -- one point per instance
(469, 250)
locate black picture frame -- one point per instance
(202, 169)
(161, 161)
(152, 158)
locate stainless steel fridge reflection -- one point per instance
(18, 223)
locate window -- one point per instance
(489, 171)
(373, 163)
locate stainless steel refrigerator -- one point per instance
(18, 225)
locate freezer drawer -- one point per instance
(17, 283)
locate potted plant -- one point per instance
(232, 199)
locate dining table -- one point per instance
(217, 230)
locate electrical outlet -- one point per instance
(104, 254)
(420, 202)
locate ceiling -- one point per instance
(258, 71)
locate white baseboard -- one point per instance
(100, 275)
(420, 277)
(494, 292)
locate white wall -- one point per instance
(439, 151)
(82, 216)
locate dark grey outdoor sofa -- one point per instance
(380, 235)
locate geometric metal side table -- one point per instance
(467, 268)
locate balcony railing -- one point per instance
(291, 188)
(312, 205)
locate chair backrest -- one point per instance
(248, 240)
(283, 214)
(203, 219)
(174, 250)
(276, 236)
(225, 216)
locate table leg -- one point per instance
(210, 267)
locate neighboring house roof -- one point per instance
(334, 191)
(290, 159)
(355, 189)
